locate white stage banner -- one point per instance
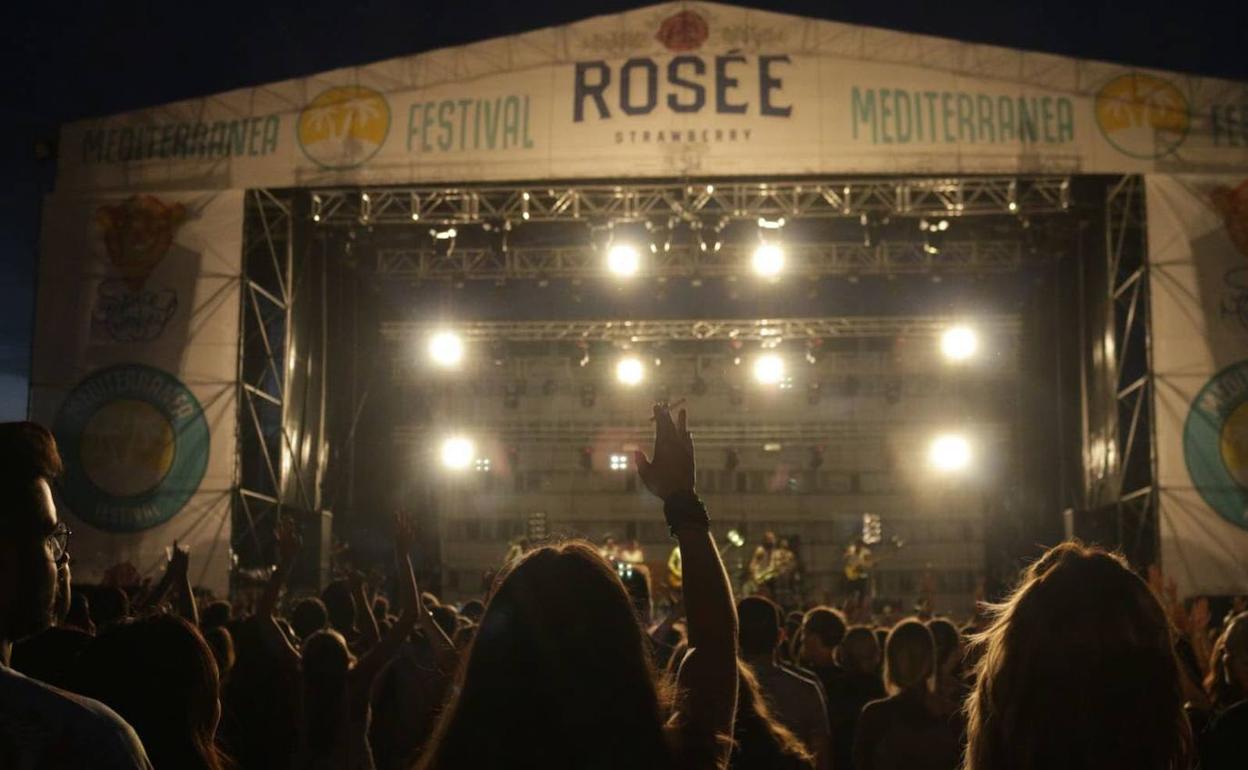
(1198, 255)
(681, 89)
(135, 368)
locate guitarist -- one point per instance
(858, 564)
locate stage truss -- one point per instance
(1126, 252)
(703, 201)
(700, 329)
(804, 260)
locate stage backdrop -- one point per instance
(675, 90)
(1198, 253)
(136, 361)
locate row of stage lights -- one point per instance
(957, 344)
(947, 453)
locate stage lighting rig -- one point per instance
(949, 453)
(446, 349)
(458, 453)
(959, 343)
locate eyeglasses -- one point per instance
(58, 543)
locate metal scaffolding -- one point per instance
(708, 200)
(1126, 248)
(265, 320)
(681, 330)
(807, 260)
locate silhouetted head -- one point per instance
(339, 606)
(159, 674)
(859, 651)
(558, 673)
(769, 539)
(308, 616)
(214, 614)
(909, 657)
(823, 628)
(29, 462)
(109, 605)
(446, 618)
(1077, 671)
(758, 629)
(473, 609)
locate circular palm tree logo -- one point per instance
(344, 126)
(1142, 116)
(1215, 443)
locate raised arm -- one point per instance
(180, 565)
(365, 621)
(414, 613)
(288, 543)
(708, 676)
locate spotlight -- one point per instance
(768, 260)
(619, 462)
(446, 349)
(316, 208)
(457, 453)
(623, 260)
(949, 453)
(769, 369)
(629, 370)
(482, 465)
(959, 343)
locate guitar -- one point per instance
(675, 578)
(860, 560)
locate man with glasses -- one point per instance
(41, 727)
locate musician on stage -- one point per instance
(858, 564)
(761, 572)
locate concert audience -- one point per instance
(797, 701)
(1084, 666)
(906, 730)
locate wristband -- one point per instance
(684, 509)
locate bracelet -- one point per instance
(684, 509)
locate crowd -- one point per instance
(562, 665)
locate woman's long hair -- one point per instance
(1221, 684)
(326, 661)
(159, 674)
(558, 675)
(759, 741)
(1078, 671)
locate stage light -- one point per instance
(482, 465)
(446, 349)
(316, 208)
(629, 370)
(768, 260)
(769, 369)
(619, 462)
(949, 453)
(458, 453)
(959, 343)
(623, 260)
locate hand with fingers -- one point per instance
(670, 470)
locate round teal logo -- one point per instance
(135, 443)
(1215, 443)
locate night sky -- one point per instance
(67, 60)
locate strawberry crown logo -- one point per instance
(684, 31)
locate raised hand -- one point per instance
(403, 537)
(179, 559)
(404, 534)
(671, 469)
